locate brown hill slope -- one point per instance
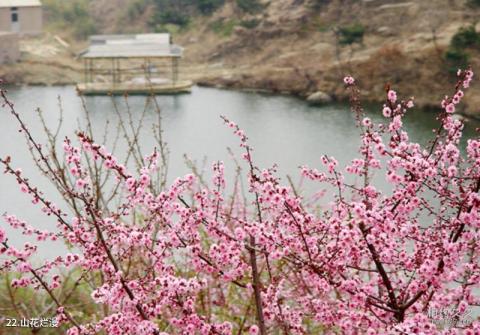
(295, 49)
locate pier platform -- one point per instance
(134, 88)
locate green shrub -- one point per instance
(466, 37)
(173, 17)
(456, 59)
(351, 34)
(473, 3)
(322, 27)
(136, 8)
(457, 55)
(223, 27)
(171, 12)
(188, 7)
(209, 6)
(250, 24)
(85, 27)
(167, 28)
(319, 4)
(249, 6)
(71, 16)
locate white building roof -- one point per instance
(138, 38)
(20, 3)
(132, 46)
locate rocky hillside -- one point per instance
(300, 46)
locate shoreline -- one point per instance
(427, 108)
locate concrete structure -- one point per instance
(21, 16)
(9, 47)
(134, 64)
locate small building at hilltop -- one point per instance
(21, 16)
(9, 47)
(132, 64)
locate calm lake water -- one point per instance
(282, 130)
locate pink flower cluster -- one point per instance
(190, 259)
(349, 80)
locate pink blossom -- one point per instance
(349, 80)
(450, 108)
(254, 330)
(392, 96)
(367, 122)
(24, 267)
(144, 179)
(80, 183)
(355, 257)
(387, 112)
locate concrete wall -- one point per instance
(9, 48)
(30, 20)
(5, 19)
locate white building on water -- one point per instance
(134, 64)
